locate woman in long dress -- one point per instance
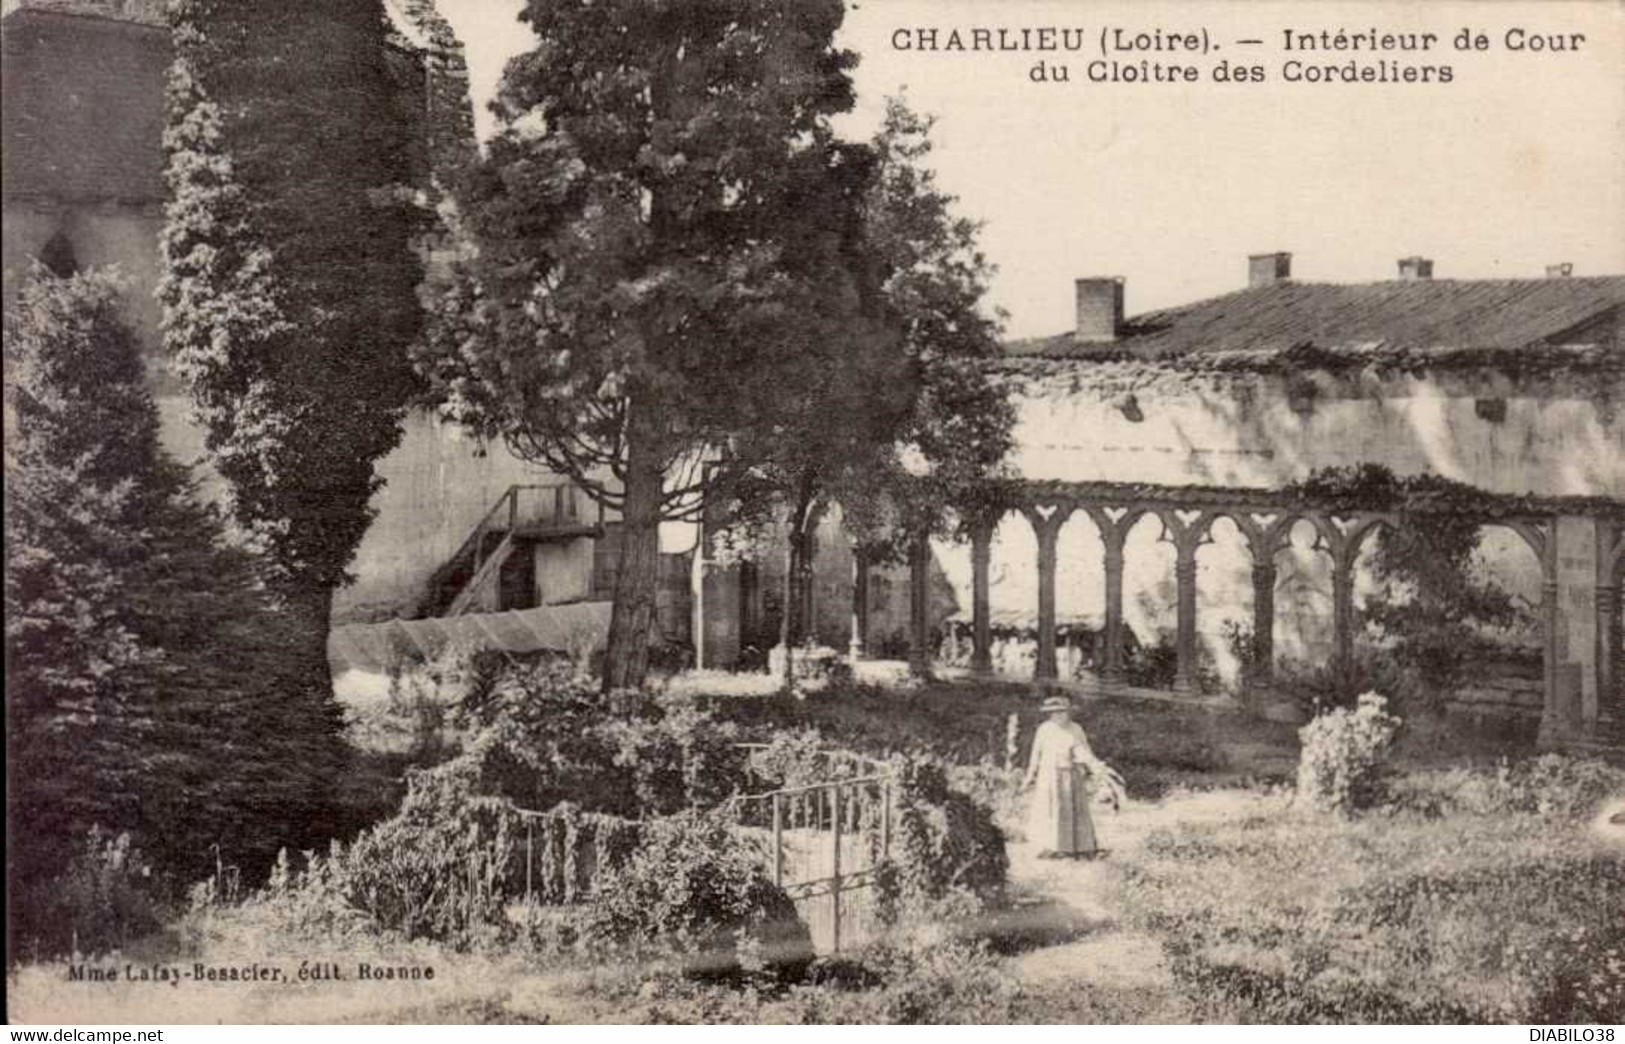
(1064, 773)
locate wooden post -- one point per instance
(778, 840)
(1049, 531)
(513, 508)
(1113, 536)
(1185, 578)
(835, 876)
(981, 554)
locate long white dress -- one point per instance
(1060, 766)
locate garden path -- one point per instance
(1078, 905)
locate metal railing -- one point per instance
(826, 840)
(540, 505)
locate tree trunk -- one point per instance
(787, 623)
(626, 657)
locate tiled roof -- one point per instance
(84, 107)
(1439, 320)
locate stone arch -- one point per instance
(1150, 579)
(1080, 596)
(1225, 596)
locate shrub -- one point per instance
(695, 889)
(107, 896)
(444, 867)
(1556, 785)
(942, 842)
(792, 758)
(1340, 767)
(543, 734)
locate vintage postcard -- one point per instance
(815, 511)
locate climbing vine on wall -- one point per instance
(1434, 608)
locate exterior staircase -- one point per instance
(492, 569)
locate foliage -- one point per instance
(571, 850)
(1156, 745)
(942, 842)
(447, 866)
(791, 758)
(85, 436)
(290, 276)
(695, 888)
(1554, 785)
(107, 897)
(657, 255)
(899, 432)
(1344, 754)
(1434, 609)
(542, 734)
(1504, 918)
(146, 686)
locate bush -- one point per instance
(1341, 765)
(695, 890)
(107, 896)
(790, 758)
(1556, 785)
(543, 734)
(942, 842)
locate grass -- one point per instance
(1156, 745)
(1448, 907)
(1396, 916)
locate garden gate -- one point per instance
(827, 842)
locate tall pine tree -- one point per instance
(146, 678)
(291, 276)
(658, 238)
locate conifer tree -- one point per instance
(148, 688)
(291, 277)
(659, 250)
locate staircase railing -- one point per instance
(506, 516)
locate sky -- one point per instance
(1515, 164)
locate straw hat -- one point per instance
(1055, 703)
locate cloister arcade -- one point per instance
(1579, 544)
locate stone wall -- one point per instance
(1132, 422)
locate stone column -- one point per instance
(1608, 696)
(1578, 616)
(1185, 577)
(1263, 672)
(1112, 536)
(1552, 729)
(981, 554)
(1049, 531)
(919, 590)
(1610, 541)
(858, 645)
(1343, 618)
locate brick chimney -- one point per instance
(1415, 268)
(1268, 269)
(1561, 270)
(1099, 308)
